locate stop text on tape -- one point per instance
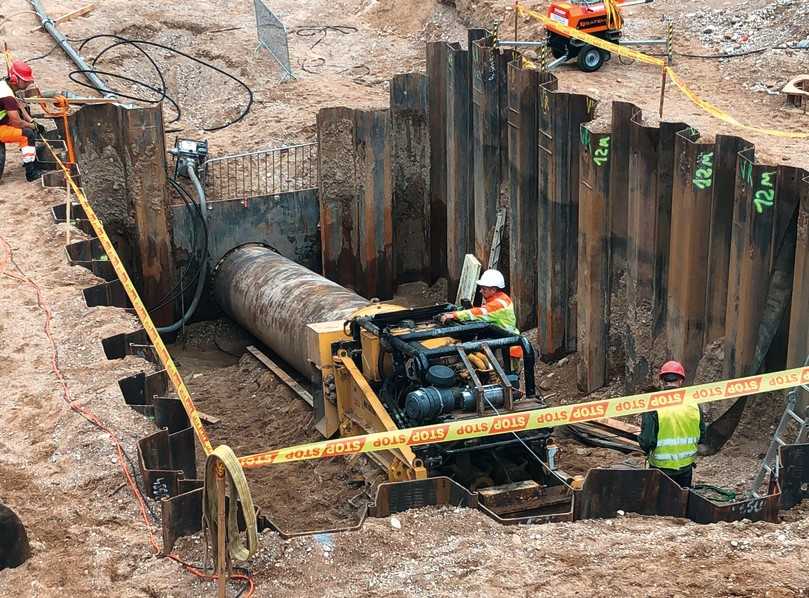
(533, 419)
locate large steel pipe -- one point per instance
(275, 299)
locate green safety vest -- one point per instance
(5, 92)
(498, 310)
(677, 437)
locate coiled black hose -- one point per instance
(161, 91)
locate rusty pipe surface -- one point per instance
(276, 299)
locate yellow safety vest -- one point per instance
(677, 437)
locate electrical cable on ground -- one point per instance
(137, 43)
(323, 31)
(6, 258)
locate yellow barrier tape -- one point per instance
(140, 309)
(532, 420)
(724, 116)
(591, 39)
(641, 57)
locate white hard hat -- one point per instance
(492, 278)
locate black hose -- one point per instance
(323, 30)
(196, 262)
(72, 75)
(137, 42)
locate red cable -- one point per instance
(7, 259)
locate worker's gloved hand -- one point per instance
(703, 450)
(444, 318)
(40, 129)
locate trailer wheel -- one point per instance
(590, 59)
(2, 158)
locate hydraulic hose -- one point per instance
(203, 272)
(61, 40)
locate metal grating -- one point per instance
(263, 173)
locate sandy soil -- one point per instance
(297, 497)
(61, 476)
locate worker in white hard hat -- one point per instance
(497, 307)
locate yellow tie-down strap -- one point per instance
(699, 102)
(140, 309)
(534, 419)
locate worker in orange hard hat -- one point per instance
(16, 124)
(670, 437)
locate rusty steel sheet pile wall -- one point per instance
(436, 117)
(593, 292)
(410, 161)
(121, 152)
(459, 163)
(523, 158)
(560, 116)
(799, 316)
(666, 256)
(691, 210)
(764, 211)
(641, 251)
(356, 199)
(727, 149)
(489, 123)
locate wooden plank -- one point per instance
(641, 253)
(79, 12)
(470, 274)
(618, 426)
(593, 255)
(691, 211)
(437, 109)
(209, 419)
(410, 162)
(523, 159)
(724, 185)
(459, 157)
(282, 375)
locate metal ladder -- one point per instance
(772, 463)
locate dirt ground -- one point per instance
(61, 474)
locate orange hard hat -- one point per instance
(673, 367)
(20, 70)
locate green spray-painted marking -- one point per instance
(584, 137)
(746, 170)
(764, 197)
(703, 174)
(602, 153)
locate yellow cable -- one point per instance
(701, 103)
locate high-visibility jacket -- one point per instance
(5, 92)
(678, 435)
(498, 310)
